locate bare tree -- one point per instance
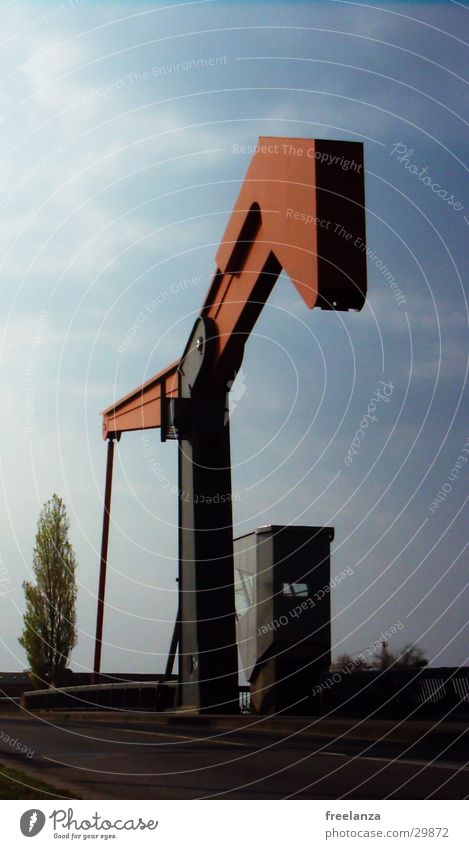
(411, 657)
(350, 662)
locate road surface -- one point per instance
(99, 759)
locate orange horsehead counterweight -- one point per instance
(301, 208)
(300, 211)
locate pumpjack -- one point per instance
(301, 208)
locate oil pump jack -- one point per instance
(301, 208)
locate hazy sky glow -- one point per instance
(118, 171)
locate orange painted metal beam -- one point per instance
(141, 409)
(301, 208)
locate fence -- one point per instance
(138, 695)
(426, 693)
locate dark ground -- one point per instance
(128, 757)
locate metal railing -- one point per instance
(139, 695)
(423, 692)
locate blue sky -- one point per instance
(118, 171)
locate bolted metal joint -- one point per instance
(175, 418)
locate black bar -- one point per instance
(208, 657)
(103, 563)
(172, 649)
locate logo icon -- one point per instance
(234, 397)
(32, 822)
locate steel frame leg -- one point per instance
(103, 563)
(208, 659)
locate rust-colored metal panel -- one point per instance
(283, 185)
(301, 208)
(305, 199)
(141, 409)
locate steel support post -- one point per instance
(103, 561)
(173, 648)
(208, 656)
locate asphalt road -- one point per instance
(100, 760)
